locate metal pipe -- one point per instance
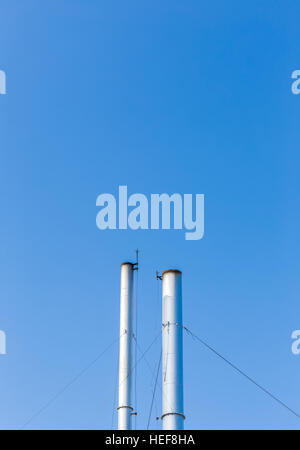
(125, 358)
(172, 351)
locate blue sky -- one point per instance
(173, 96)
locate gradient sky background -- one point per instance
(172, 96)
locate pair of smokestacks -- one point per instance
(172, 365)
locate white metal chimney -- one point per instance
(172, 351)
(125, 358)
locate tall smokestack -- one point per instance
(125, 358)
(172, 351)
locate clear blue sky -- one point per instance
(173, 96)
